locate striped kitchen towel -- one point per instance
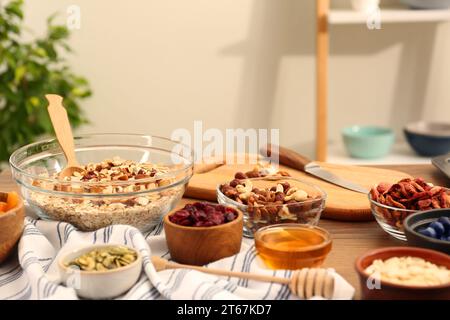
(29, 274)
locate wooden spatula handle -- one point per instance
(61, 124)
(288, 157)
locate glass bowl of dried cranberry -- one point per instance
(203, 232)
(273, 200)
(391, 204)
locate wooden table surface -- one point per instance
(350, 239)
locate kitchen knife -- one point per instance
(294, 160)
(442, 163)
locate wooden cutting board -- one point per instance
(341, 204)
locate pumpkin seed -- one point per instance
(128, 257)
(100, 267)
(105, 259)
(108, 261)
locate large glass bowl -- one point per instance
(391, 218)
(303, 212)
(91, 205)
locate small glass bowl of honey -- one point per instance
(292, 246)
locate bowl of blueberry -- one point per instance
(429, 229)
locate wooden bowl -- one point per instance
(202, 245)
(391, 291)
(11, 226)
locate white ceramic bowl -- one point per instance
(99, 284)
(365, 5)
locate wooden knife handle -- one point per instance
(288, 157)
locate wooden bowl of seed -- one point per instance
(101, 271)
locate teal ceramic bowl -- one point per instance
(368, 142)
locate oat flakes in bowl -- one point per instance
(129, 179)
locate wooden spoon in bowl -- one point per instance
(61, 125)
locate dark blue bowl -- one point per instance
(429, 138)
(419, 220)
(427, 4)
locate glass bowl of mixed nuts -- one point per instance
(127, 179)
(392, 203)
(273, 200)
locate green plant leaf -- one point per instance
(34, 101)
(58, 33)
(19, 74)
(51, 18)
(40, 52)
(15, 8)
(28, 71)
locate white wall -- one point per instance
(157, 65)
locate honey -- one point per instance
(292, 246)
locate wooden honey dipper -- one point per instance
(304, 283)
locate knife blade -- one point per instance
(442, 163)
(294, 160)
(315, 170)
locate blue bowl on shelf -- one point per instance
(428, 139)
(368, 142)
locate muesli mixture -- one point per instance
(109, 179)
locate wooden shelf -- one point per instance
(391, 15)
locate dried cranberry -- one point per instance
(230, 216)
(179, 216)
(216, 218)
(206, 224)
(186, 222)
(200, 205)
(203, 214)
(190, 208)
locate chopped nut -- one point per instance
(279, 188)
(298, 195)
(164, 182)
(245, 188)
(142, 201)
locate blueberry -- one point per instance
(428, 232)
(438, 227)
(446, 223)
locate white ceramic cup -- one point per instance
(365, 5)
